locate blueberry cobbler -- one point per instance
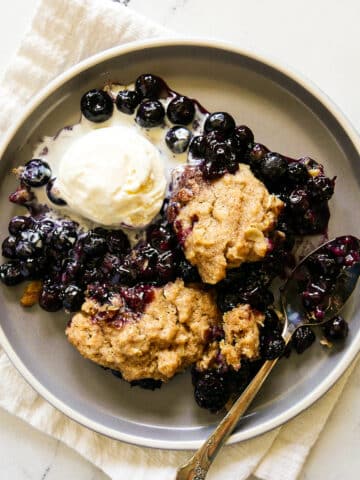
(161, 227)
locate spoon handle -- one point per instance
(197, 467)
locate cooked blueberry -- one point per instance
(212, 391)
(34, 267)
(239, 380)
(117, 241)
(243, 136)
(150, 114)
(322, 264)
(36, 173)
(272, 347)
(147, 383)
(53, 194)
(220, 159)
(302, 338)
(272, 322)
(70, 270)
(159, 237)
(29, 244)
(298, 200)
(137, 297)
(96, 105)
(187, 272)
(19, 223)
(273, 166)
(94, 245)
(314, 294)
(165, 268)
(127, 101)
(8, 247)
(10, 273)
(181, 110)
(321, 188)
(212, 170)
(221, 122)
(198, 146)
(63, 237)
(336, 329)
(256, 155)
(228, 300)
(51, 297)
(73, 298)
(149, 86)
(144, 260)
(178, 139)
(45, 227)
(297, 173)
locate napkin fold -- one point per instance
(62, 33)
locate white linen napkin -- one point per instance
(62, 33)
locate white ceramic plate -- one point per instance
(287, 114)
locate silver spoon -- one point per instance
(295, 316)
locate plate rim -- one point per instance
(268, 60)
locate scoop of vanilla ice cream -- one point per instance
(113, 176)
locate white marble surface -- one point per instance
(321, 40)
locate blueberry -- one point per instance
(302, 338)
(117, 241)
(96, 105)
(178, 139)
(63, 237)
(29, 244)
(239, 380)
(159, 237)
(244, 137)
(73, 298)
(297, 173)
(187, 272)
(181, 110)
(147, 383)
(220, 160)
(150, 114)
(165, 268)
(51, 297)
(94, 245)
(70, 270)
(19, 223)
(198, 146)
(256, 155)
(8, 247)
(36, 173)
(149, 86)
(321, 188)
(127, 101)
(322, 264)
(298, 200)
(272, 322)
(336, 329)
(212, 391)
(45, 227)
(221, 122)
(228, 300)
(314, 295)
(273, 166)
(10, 273)
(52, 194)
(272, 347)
(34, 267)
